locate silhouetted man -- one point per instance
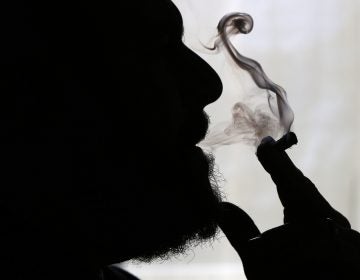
(102, 106)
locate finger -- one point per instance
(299, 196)
(273, 157)
(238, 227)
(282, 170)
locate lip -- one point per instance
(195, 129)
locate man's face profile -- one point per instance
(180, 201)
(109, 114)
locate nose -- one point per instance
(201, 84)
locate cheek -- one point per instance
(165, 116)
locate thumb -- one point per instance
(238, 227)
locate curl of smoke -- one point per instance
(248, 125)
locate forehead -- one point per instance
(140, 20)
(163, 16)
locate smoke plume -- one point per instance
(249, 125)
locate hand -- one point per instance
(301, 200)
(316, 241)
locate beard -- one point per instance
(185, 227)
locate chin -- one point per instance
(178, 206)
(193, 214)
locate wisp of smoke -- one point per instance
(248, 125)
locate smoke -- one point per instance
(249, 123)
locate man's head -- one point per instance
(106, 109)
